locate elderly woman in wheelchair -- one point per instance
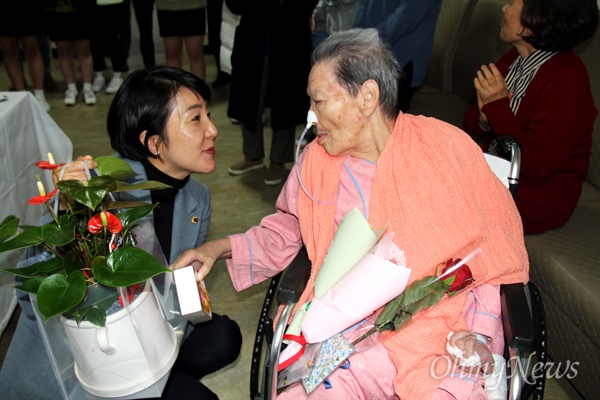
(419, 178)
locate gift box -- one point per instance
(194, 302)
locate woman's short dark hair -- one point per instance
(143, 103)
(558, 25)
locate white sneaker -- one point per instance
(98, 83)
(71, 97)
(43, 103)
(114, 85)
(89, 97)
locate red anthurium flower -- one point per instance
(48, 165)
(460, 278)
(104, 220)
(42, 199)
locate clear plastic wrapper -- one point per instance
(131, 356)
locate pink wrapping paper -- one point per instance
(369, 285)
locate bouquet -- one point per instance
(90, 243)
(423, 294)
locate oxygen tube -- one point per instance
(311, 119)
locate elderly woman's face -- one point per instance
(340, 120)
(191, 136)
(510, 25)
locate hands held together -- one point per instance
(490, 86)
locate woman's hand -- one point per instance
(466, 341)
(75, 170)
(204, 257)
(490, 86)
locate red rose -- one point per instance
(458, 279)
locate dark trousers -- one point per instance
(210, 346)
(144, 10)
(282, 143)
(106, 37)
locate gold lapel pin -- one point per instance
(195, 219)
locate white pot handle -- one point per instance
(103, 343)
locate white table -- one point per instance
(27, 134)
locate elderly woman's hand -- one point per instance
(490, 85)
(466, 341)
(204, 257)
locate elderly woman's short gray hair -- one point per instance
(359, 55)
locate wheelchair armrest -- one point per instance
(295, 278)
(516, 317)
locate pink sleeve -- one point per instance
(482, 312)
(266, 249)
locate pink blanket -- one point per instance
(434, 188)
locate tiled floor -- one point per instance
(238, 203)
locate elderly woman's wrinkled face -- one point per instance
(191, 137)
(340, 120)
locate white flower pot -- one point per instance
(129, 354)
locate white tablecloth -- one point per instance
(27, 134)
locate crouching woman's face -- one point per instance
(190, 137)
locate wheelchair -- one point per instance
(524, 327)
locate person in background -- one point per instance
(183, 22)
(214, 13)
(70, 29)
(21, 24)
(159, 122)
(332, 16)
(270, 65)
(44, 44)
(408, 26)
(539, 93)
(144, 10)
(423, 179)
(107, 38)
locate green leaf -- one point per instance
(8, 227)
(31, 285)
(96, 315)
(27, 238)
(116, 205)
(42, 268)
(72, 262)
(114, 167)
(57, 293)
(61, 234)
(419, 295)
(90, 195)
(145, 185)
(127, 266)
(132, 215)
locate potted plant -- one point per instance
(90, 243)
(92, 269)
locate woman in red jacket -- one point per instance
(539, 92)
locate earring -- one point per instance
(157, 152)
